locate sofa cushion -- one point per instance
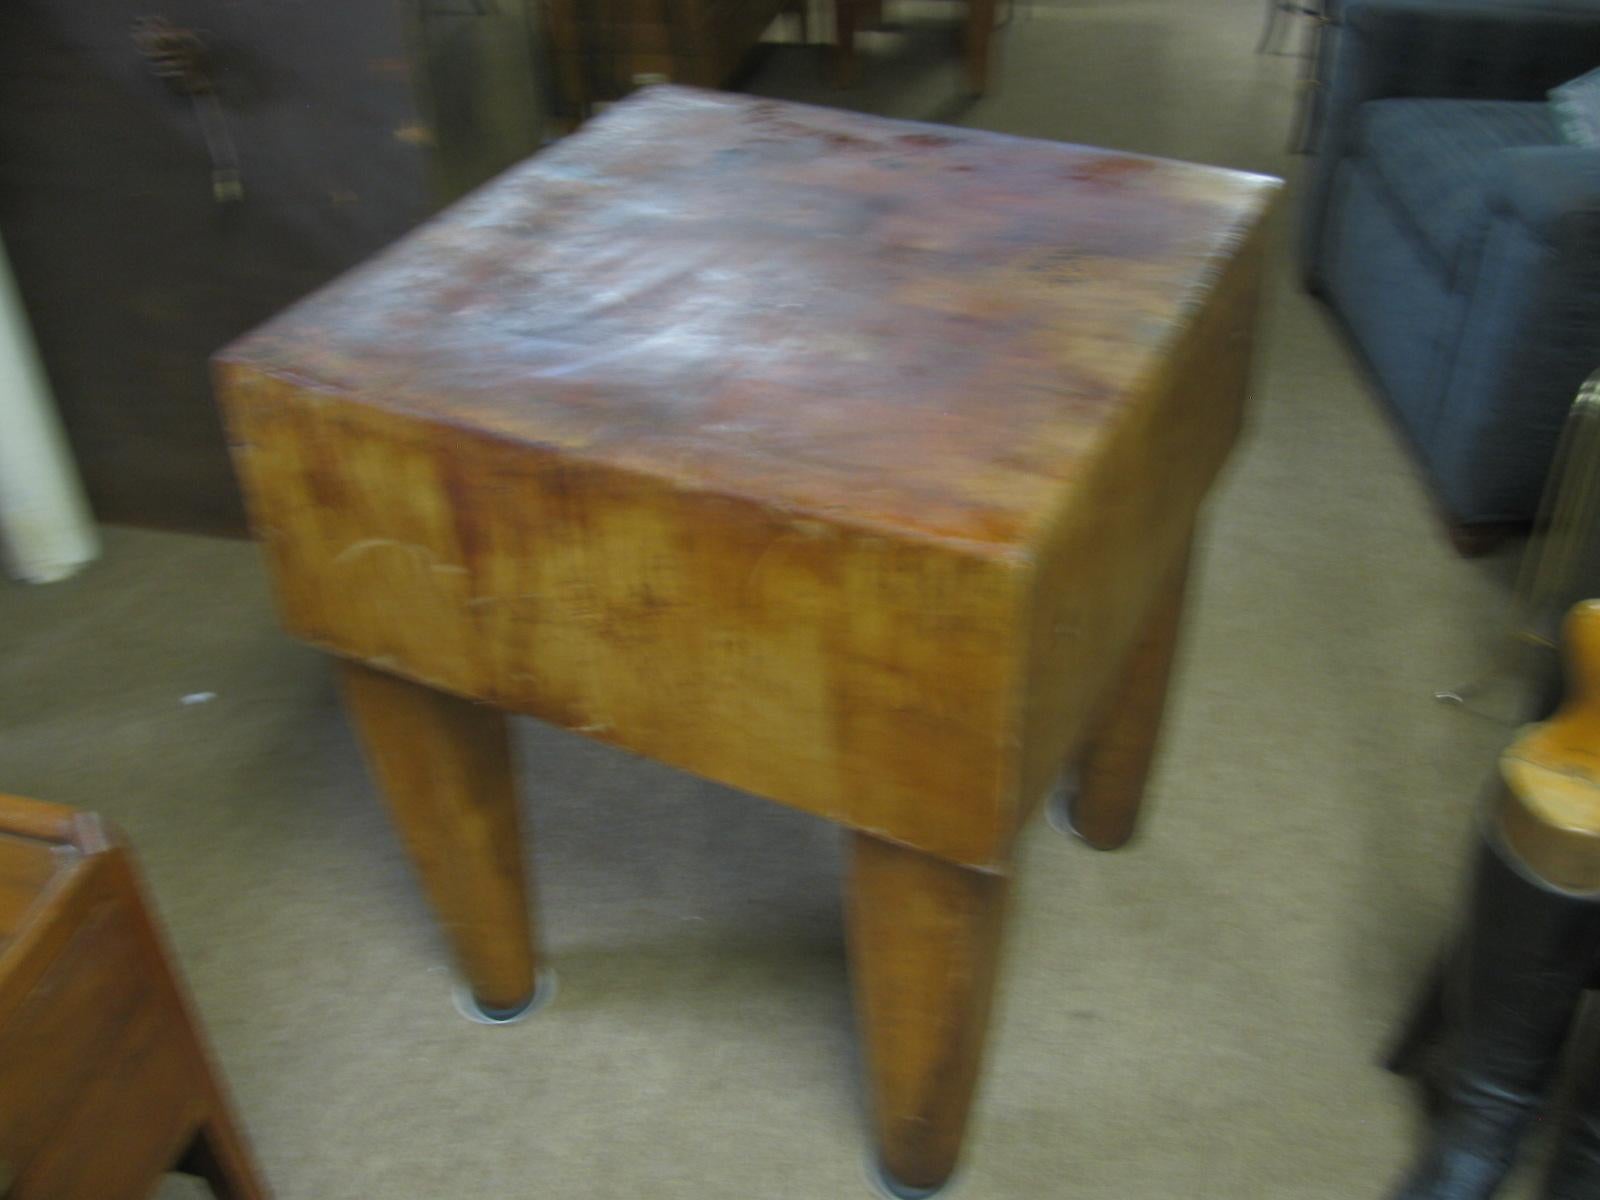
(1435, 158)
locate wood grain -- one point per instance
(1112, 771)
(106, 1080)
(444, 768)
(27, 866)
(873, 440)
(924, 938)
(1107, 558)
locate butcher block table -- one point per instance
(848, 462)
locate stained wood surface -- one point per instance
(105, 1081)
(41, 850)
(1115, 765)
(924, 940)
(26, 868)
(444, 768)
(830, 457)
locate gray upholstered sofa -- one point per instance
(1455, 237)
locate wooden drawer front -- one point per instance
(96, 1070)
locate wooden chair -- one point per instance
(105, 1080)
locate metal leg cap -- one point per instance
(544, 991)
(890, 1188)
(1058, 808)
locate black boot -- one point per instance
(1524, 958)
(1575, 1173)
(1575, 1167)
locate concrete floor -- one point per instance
(1197, 1016)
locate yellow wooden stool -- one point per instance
(845, 461)
(1549, 811)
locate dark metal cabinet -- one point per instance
(349, 122)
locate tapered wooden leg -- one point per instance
(444, 767)
(844, 35)
(924, 940)
(980, 36)
(802, 20)
(1114, 766)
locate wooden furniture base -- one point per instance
(849, 462)
(602, 49)
(852, 16)
(924, 940)
(445, 769)
(105, 1081)
(1108, 785)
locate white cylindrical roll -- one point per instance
(46, 530)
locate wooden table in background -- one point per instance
(850, 462)
(105, 1081)
(600, 48)
(851, 16)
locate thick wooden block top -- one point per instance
(773, 366)
(914, 328)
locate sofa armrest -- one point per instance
(1552, 190)
(1485, 49)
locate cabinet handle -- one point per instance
(181, 59)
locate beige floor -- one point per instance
(1194, 1017)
